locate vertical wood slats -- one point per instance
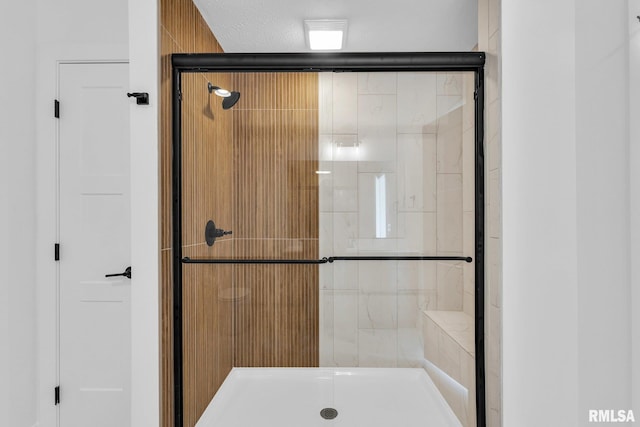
(275, 132)
(207, 194)
(183, 30)
(278, 307)
(166, 339)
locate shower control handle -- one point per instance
(211, 233)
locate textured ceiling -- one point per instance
(374, 25)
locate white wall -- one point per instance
(540, 343)
(67, 30)
(602, 150)
(144, 72)
(634, 191)
(81, 30)
(17, 215)
(567, 289)
(34, 34)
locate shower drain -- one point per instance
(328, 413)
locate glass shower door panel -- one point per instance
(335, 186)
(275, 217)
(207, 290)
(396, 180)
(250, 169)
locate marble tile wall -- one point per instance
(450, 359)
(468, 193)
(489, 41)
(393, 162)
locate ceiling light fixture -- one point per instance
(325, 34)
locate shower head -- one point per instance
(229, 99)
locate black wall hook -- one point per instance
(142, 98)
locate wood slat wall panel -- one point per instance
(216, 172)
(275, 175)
(189, 341)
(259, 89)
(166, 338)
(296, 91)
(167, 46)
(204, 40)
(275, 134)
(253, 326)
(207, 158)
(248, 315)
(207, 191)
(166, 290)
(207, 329)
(297, 316)
(207, 323)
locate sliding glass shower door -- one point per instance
(328, 220)
(396, 182)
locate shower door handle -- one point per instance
(126, 273)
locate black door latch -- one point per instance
(126, 273)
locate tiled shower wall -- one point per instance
(489, 41)
(394, 180)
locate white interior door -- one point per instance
(94, 218)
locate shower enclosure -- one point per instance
(332, 216)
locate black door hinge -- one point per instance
(56, 252)
(56, 392)
(56, 108)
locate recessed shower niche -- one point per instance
(354, 199)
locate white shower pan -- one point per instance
(295, 397)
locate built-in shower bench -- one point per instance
(449, 350)
(458, 325)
